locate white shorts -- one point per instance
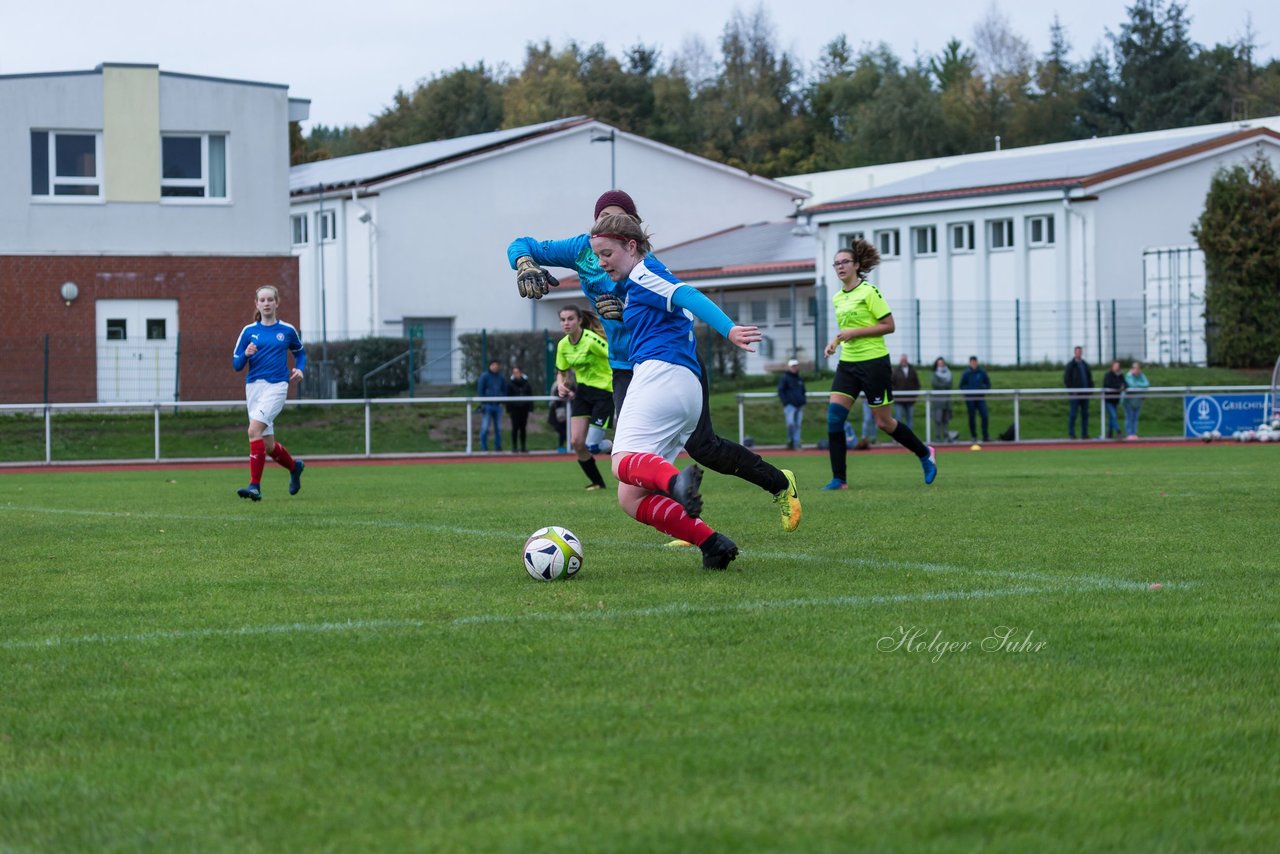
(664, 402)
(265, 402)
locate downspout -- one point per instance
(1084, 261)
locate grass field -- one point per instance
(366, 666)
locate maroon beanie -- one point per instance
(619, 198)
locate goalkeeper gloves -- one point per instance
(532, 281)
(609, 307)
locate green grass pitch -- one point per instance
(977, 665)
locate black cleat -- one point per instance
(252, 492)
(718, 551)
(684, 490)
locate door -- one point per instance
(137, 350)
(436, 337)
(1173, 294)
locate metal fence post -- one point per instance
(1017, 336)
(919, 348)
(1114, 354)
(155, 424)
(46, 370)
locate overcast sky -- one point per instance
(349, 58)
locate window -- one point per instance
(328, 225)
(962, 237)
(925, 240)
(155, 329)
(1000, 233)
(1040, 231)
(887, 243)
(66, 164)
(759, 311)
(846, 240)
(811, 311)
(784, 309)
(734, 310)
(117, 329)
(193, 166)
(299, 228)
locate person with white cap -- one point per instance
(792, 393)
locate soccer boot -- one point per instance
(718, 551)
(788, 502)
(930, 467)
(252, 492)
(836, 483)
(295, 477)
(684, 490)
(592, 487)
(679, 544)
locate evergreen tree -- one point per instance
(1158, 82)
(549, 87)
(1052, 109)
(465, 101)
(1239, 232)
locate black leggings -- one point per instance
(711, 451)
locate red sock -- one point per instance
(281, 455)
(659, 511)
(257, 459)
(647, 470)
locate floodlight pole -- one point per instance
(610, 138)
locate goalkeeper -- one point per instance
(529, 257)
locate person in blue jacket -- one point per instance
(975, 379)
(264, 346)
(491, 384)
(529, 256)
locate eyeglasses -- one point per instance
(843, 263)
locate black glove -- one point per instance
(609, 307)
(532, 281)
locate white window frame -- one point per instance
(69, 181)
(203, 182)
(327, 225)
(298, 224)
(929, 234)
(1045, 222)
(887, 240)
(846, 240)
(966, 232)
(1003, 227)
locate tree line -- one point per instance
(757, 107)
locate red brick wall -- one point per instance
(215, 300)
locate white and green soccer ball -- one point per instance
(552, 552)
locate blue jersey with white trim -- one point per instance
(659, 328)
(271, 360)
(575, 254)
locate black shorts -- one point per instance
(874, 378)
(595, 403)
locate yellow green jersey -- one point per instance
(588, 359)
(857, 309)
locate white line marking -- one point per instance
(243, 631)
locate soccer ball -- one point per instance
(552, 552)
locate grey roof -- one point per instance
(1036, 166)
(745, 249)
(364, 168)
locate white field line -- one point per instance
(679, 609)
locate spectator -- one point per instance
(1113, 383)
(905, 381)
(1077, 375)
(975, 379)
(1135, 383)
(792, 393)
(941, 404)
(491, 384)
(558, 417)
(518, 386)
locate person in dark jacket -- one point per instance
(1077, 375)
(1113, 382)
(973, 380)
(792, 393)
(905, 380)
(518, 386)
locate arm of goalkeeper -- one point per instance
(532, 281)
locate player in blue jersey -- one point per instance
(264, 346)
(666, 394)
(529, 256)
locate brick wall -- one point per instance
(215, 298)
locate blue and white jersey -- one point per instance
(575, 254)
(271, 361)
(659, 328)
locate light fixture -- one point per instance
(69, 291)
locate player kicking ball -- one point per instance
(264, 346)
(664, 400)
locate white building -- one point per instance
(1018, 255)
(417, 236)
